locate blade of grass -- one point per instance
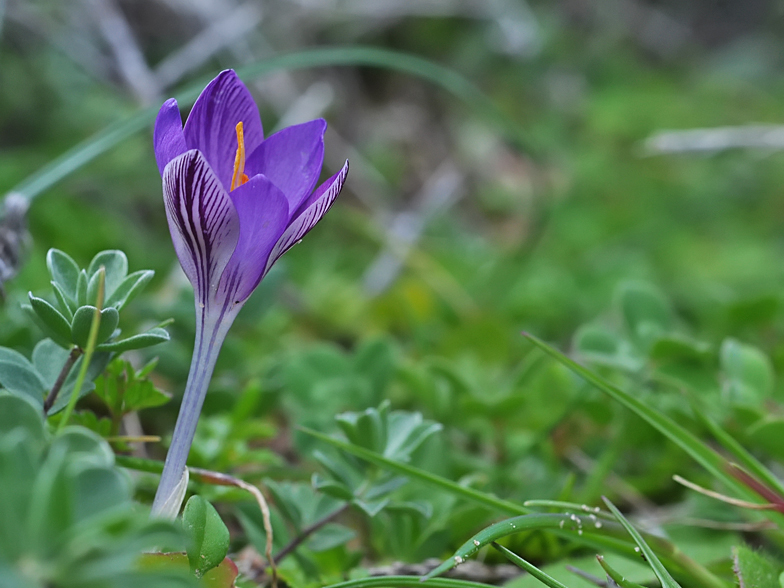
(666, 580)
(615, 576)
(745, 459)
(543, 577)
(691, 444)
(502, 529)
(441, 76)
(406, 581)
(561, 505)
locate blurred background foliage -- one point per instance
(651, 254)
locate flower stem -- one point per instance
(209, 338)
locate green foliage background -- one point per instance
(663, 271)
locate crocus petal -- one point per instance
(202, 220)
(210, 127)
(264, 213)
(291, 159)
(311, 212)
(168, 139)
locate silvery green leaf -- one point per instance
(115, 263)
(147, 339)
(82, 322)
(20, 412)
(371, 508)
(81, 288)
(330, 536)
(22, 381)
(50, 320)
(66, 307)
(332, 488)
(64, 272)
(128, 289)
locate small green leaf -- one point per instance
(98, 490)
(600, 345)
(22, 380)
(143, 394)
(645, 310)
(64, 272)
(748, 370)
(371, 508)
(81, 288)
(48, 360)
(406, 431)
(116, 264)
(416, 508)
(82, 322)
(208, 535)
(51, 320)
(340, 469)
(63, 302)
(679, 348)
(332, 488)
(129, 288)
(329, 536)
(93, 284)
(367, 429)
(753, 569)
(384, 486)
(78, 441)
(20, 412)
(148, 339)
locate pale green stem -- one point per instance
(210, 333)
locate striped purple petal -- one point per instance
(311, 212)
(292, 159)
(264, 213)
(168, 139)
(203, 223)
(210, 127)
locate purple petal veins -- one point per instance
(210, 126)
(202, 220)
(227, 240)
(310, 213)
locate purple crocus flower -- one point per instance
(235, 203)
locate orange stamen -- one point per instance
(239, 176)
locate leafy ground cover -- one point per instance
(394, 386)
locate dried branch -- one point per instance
(722, 497)
(207, 43)
(769, 137)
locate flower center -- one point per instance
(239, 176)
